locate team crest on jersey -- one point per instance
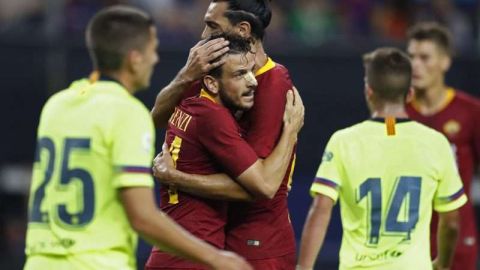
(451, 128)
(327, 156)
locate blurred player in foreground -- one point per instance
(91, 182)
(204, 138)
(249, 230)
(453, 113)
(388, 172)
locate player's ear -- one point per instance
(410, 95)
(446, 63)
(244, 29)
(368, 91)
(211, 84)
(134, 60)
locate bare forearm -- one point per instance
(216, 186)
(313, 234)
(168, 98)
(447, 236)
(159, 229)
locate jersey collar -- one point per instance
(446, 101)
(205, 94)
(397, 120)
(268, 66)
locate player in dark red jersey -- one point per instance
(250, 231)
(204, 138)
(452, 112)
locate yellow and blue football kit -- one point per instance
(94, 138)
(388, 174)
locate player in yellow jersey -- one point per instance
(91, 190)
(388, 172)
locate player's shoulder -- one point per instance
(276, 72)
(467, 100)
(203, 108)
(61, 97)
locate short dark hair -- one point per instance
(433, 32)
(256, 12)
(236, 45)
(389, 73)
(113, 32)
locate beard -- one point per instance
(228, 102)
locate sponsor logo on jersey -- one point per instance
(387, 254)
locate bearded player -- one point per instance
(250, 231)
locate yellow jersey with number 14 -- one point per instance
(387, 177)
(93, 139)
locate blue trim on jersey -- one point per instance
(134, 169)
(453, 197)
(326, 182)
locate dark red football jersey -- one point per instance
(262, 229)
(203, 138)
(459, 121)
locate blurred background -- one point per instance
(320, 41)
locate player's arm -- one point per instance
(449, 197)
(262, 178)
(271, 170)
(314, 231)
(156, 227)
(199, 62)
(215, 186)
(447, 235)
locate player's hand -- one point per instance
(230, 261)
(162, 165)
(294, 114)
(436, 265)
(201, 57)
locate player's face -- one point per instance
(237, 84)
(215, 21)
(149, 59)
(429, 63)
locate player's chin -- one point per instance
(247, 102)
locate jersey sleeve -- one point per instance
(132, 147)
(219, 133)
(476, 133)
(449, 194)
(330, 172)
(193, 90)
(266, 116)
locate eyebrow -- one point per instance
(209, 21)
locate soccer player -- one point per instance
(451, 112)
(92, 188)
(388, 172)
(204, 138)
(249, 230)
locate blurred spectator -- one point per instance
(445, 12)
(314, 21)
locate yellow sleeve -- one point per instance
(330, 172)
(132, 145)
(449, 195)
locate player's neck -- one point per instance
(390, 110)
(261, 57)
(430, 100)
(124, 79)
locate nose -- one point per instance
(251, 80)
(205, 33)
